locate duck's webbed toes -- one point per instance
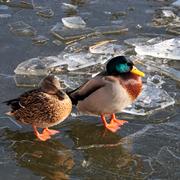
(50, 132)
(43, 137)
(112, 127)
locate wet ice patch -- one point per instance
(45, 65)
(40, 40)
(5, 11)
(74, 22)
(152, 98)
(67, 6)
(176, 3)
(45, 12)
(169, 49)
(107, 47)
(22, 29)
(37, 66)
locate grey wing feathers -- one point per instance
(86, 89)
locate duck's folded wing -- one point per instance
(86, 89)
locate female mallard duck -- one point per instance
(43, 107)
(110, 91)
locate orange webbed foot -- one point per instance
(117, 121)
(50, 132)
(41, 137)
(112, 127)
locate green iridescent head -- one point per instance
(119, 65)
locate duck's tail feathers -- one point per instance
(10, 113)
(13, 103)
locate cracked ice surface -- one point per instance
(152, 99)
(169, 49)
(87, 57)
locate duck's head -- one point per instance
(120, 65)
(51, 85)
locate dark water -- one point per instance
(148, 147)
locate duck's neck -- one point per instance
(132, 83)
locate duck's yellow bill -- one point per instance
(137, 71)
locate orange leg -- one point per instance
(111, 127)
(50, 132)
(43, 136)
(117, 121)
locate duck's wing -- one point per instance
(87, 88)
(21, 101)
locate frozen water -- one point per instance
(45, 12)
(155, 80)
(37, 66)
(67, 34)
(57, 42)
(171, 72)
(166, 17)
(4, 7)
(69, 6)
(21, 28)
(153, 98)
(168, 13)
(4, 11)
(169, 49)
(140, 41)
(40, 40)
(39, 4)
(44, 65)
(113, 29)
(75, 22)
(81, 60)
(17, 4)
(176, 3)
(107, 47)
(5, 15)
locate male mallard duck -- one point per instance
(110, 91)
(43, 107)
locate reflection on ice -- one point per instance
(69, 6)
(76, 56)
(176, 3)
(155, 80)
(140, 41)
(168, 13)
(107, 47)
(153, 98)
(4, 11)
(40, 40)
(81, 60)
(37, 66)
(45, 12)
(169, 49)
(22, 29)
(75, 22)
(67, 34)
(92, 53)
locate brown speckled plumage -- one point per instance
(43, 107)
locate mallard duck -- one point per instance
(110, 91)
(43, 107)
